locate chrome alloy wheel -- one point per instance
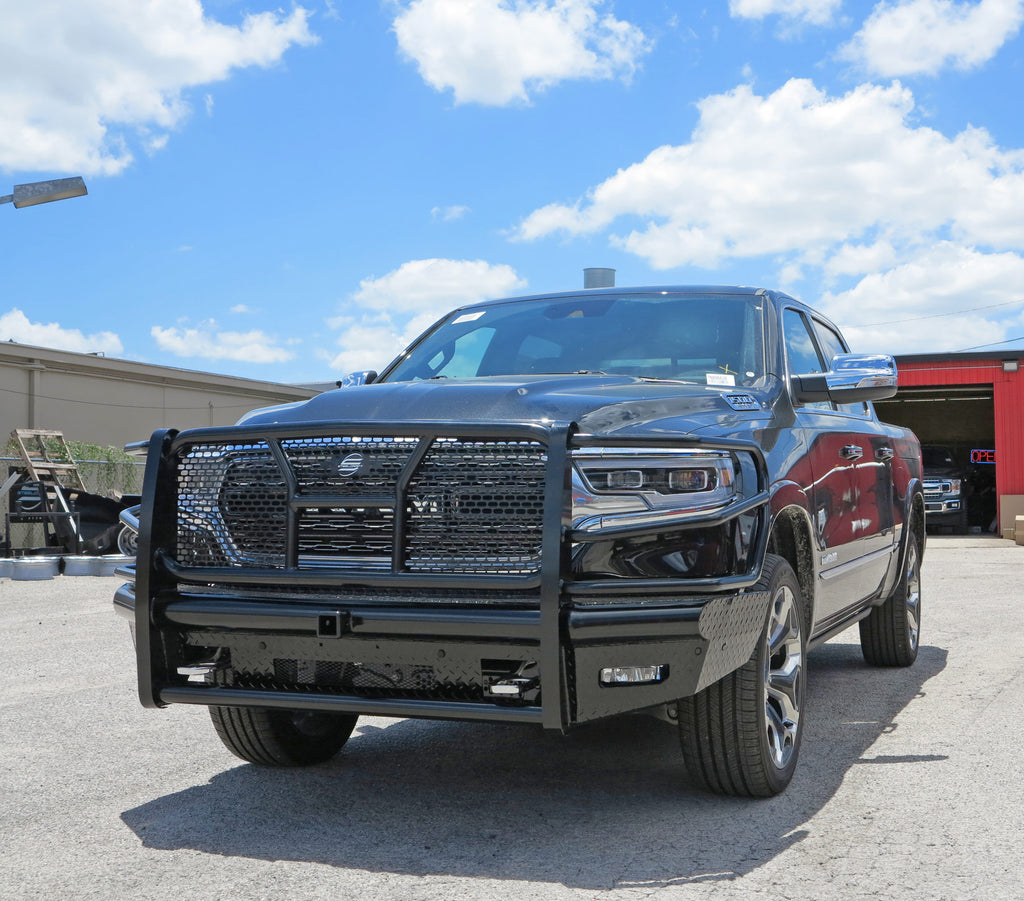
(912, 579)
(783, 673)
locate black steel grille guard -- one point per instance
(159, 580)
(505, 560)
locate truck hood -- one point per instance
(599, 404)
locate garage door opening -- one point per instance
(962, 419)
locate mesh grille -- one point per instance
(381, 680)
(477, 506)
(348, 465)
(232, 506)
(471, 506)
(340, 534)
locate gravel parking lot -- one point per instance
(910, 782)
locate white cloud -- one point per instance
(387, 313)
(16, 326)
(448, 213)
(497, 52)
(208, 342)
(80, 82)
(920, 37)
(854, 259)
(803, 175)
(241, 308)
(930, 303)
(436, 284)
(373, 341)
(815, 12)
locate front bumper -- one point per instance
(516, 648)
(940, 511)
(442, 662)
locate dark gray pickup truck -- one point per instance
(547, 510)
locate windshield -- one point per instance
(713, 339)
(937, 457)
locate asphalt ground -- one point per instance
(909, 785)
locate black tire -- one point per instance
(282, 737)
(891, 633)
(741, 736)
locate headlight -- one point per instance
(954, 486)
(619, 486)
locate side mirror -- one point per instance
(363, 377)
(852, 378)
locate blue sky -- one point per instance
(291, 193)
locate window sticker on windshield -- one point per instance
(721, 378)
(469, 317)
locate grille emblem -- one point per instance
(350, 465)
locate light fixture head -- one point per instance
(46, 191)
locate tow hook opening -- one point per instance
(331, 625)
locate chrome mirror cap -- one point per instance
(852, 378)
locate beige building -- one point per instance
(101, 400)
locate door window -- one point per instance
(801, 350)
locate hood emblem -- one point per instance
(350, 465)
(743, 401)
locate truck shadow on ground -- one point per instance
(607, 805)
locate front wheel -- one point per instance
(890, 634)
(741, 736)
(283, 738)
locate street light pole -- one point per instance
(45, 191)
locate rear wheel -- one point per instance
(890, 634)
(741, 736)
(282, 737)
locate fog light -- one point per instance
(634, 675)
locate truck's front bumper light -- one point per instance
(634, 675)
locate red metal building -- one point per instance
(974, 403)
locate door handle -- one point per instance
(852, 452)
(884, 454)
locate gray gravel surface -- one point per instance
(909, 786)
